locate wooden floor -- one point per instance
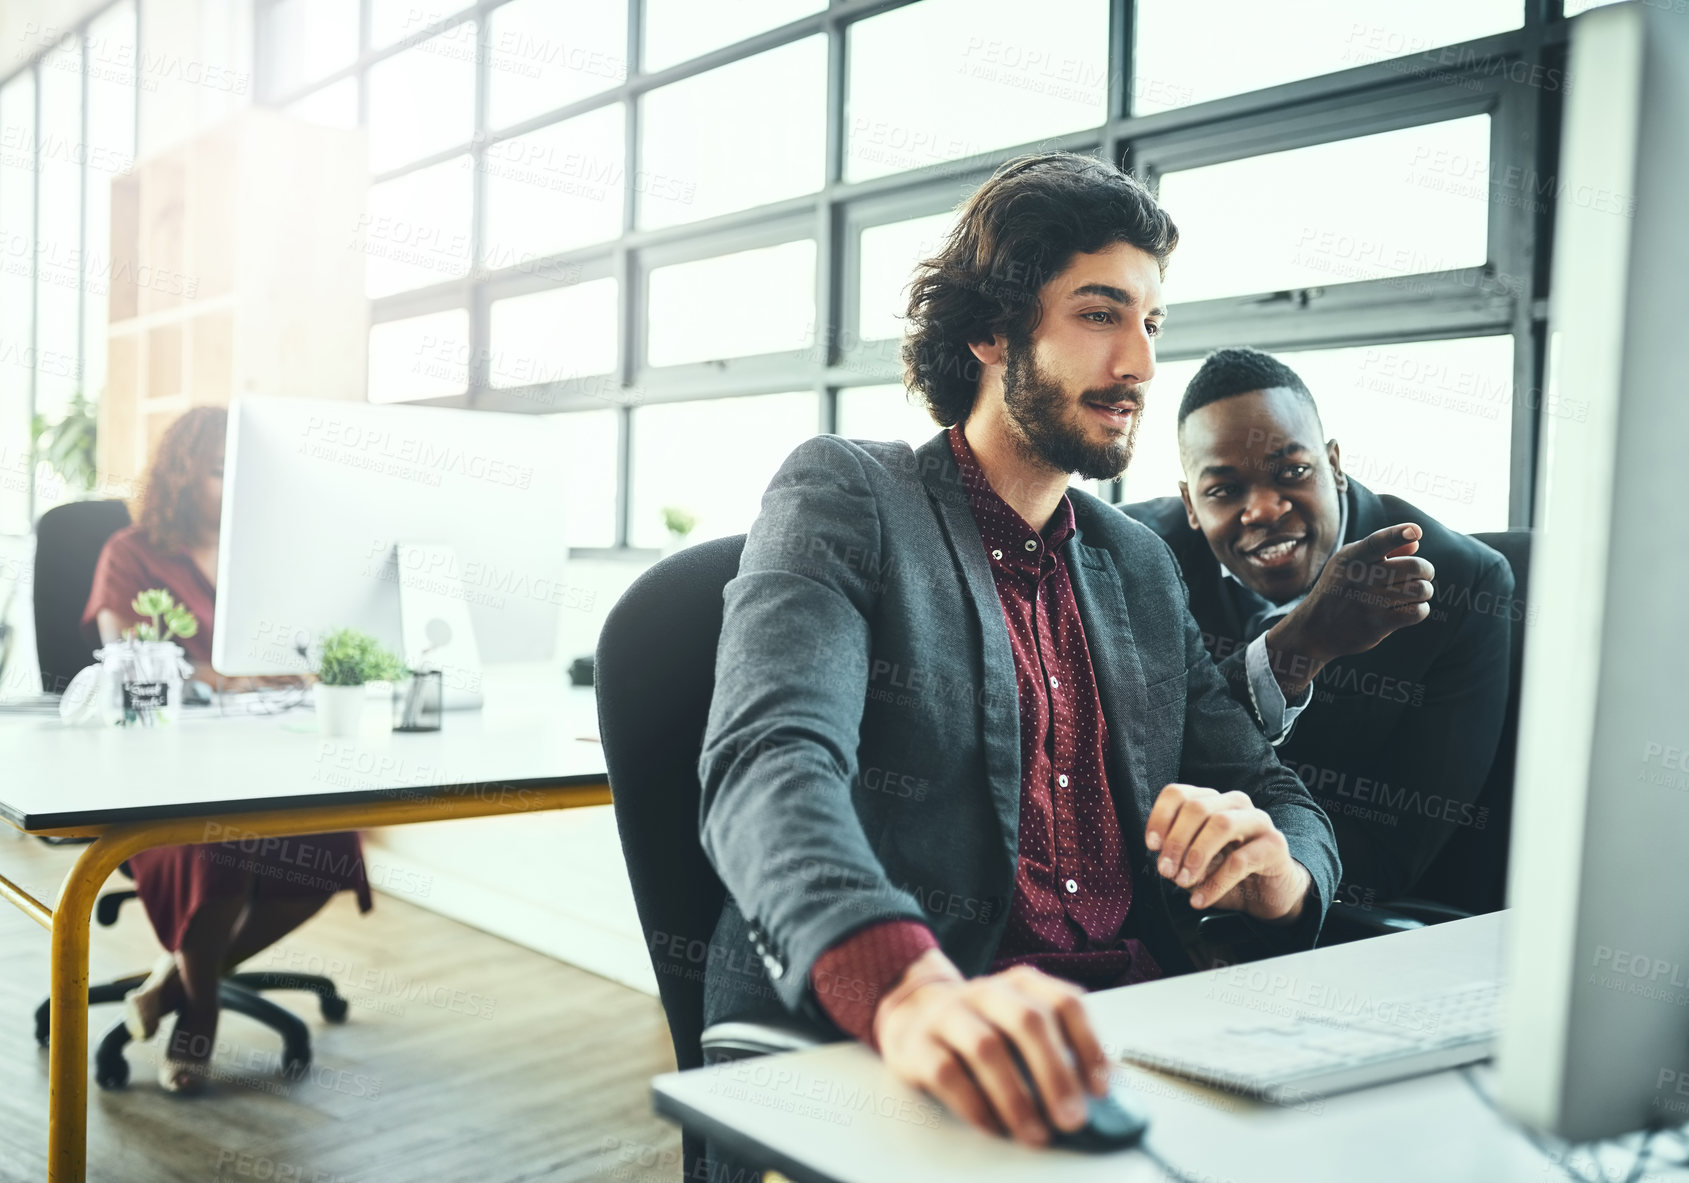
(465, 1057)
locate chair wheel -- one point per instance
(334, 1008)
(296, 1059)
(112, 1075)
(44, 1024)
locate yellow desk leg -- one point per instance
(67, 1051)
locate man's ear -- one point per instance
(1190, 511)
(1336, 461)
(989, 353)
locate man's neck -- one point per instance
(1032, 488)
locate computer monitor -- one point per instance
(1595, 1029)
(319, 495)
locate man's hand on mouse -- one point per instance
(1228, 853)
(952, 1036)
(1366, 591)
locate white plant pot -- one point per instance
(340, 709)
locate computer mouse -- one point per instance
(1112, 1121)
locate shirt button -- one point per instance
(1062, 780)
(996, 554)
(1031, 544)
(1072, 886)
(1055, 683)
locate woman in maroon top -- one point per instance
(213, 905)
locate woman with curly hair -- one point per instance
(217, 904)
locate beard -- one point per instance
(1047, 423)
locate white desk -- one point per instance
(835, 1113)
(211, 778)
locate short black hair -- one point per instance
(1227, 373)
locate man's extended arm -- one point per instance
(779, 752)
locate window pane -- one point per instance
(684, 174)
(553, 189)
(542, 55)
(335, 105)
(422, 357)
(111, 150)
(679, 29)
(884, 413)
(417, 232)
(1180, 61)
(17, 250)
(58, 275)
(423, 100)
(308, 39)
(722, 486)
(394, 20)
(589, 460)
(556, 336)
(889, 255)
(1429, 421)
(1397, 203)
(759, 301)
(950, 78)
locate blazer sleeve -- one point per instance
(1225, 750)
(1438, 756)
(779, 754)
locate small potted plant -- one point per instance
(147, 666)
(680, 523)
(348, 661)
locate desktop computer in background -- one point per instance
(439, 531)
(1594, 1036)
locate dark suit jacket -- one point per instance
(862, 757)
(1398, 740)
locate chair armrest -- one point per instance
(740, 1041)
(1345, 921)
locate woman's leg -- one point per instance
(266, 920)
(199, 966)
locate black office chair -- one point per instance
(1469, 875)
(655, 673)
(68, 541)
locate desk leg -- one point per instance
(67, 1052)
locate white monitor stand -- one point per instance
(434, 621)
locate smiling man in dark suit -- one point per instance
(1312, 591)
(967, 755)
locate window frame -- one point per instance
(79, 29)
(1366, 99)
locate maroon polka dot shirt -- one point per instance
(1073, 881)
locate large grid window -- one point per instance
(696, 222)
(67, 127)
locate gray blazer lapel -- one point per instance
(999, 703)
(1119, 673)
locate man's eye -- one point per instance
(1222, 491)
(1152, 328)
(1106, 317)
(1295, 472)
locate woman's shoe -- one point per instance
(142, 1022)
(185, 1078)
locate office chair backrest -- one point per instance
(68, 540)
(1471, 871)
(654, 673)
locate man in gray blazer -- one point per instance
(967, 753)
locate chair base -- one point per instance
(239, 993)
